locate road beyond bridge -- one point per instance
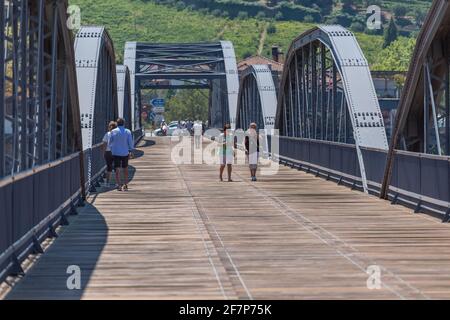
(179, 233)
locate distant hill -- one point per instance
(252, 32)
(408, 14)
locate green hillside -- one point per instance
(146, 20)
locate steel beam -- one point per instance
(357, 104)
(2, 88)
(124, 94)
(411, 123)
(260, 105)
(35, 60)
(214, 64)
(97, 82)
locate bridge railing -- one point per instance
(34, 203)
(137, 135)
(94, 165)
(30, 213)
(419, 181)
(332, 160)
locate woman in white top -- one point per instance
(252, 149)
(107, 152)
(227, 143)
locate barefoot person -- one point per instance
(252, 149)
(107, 154)
(226, 152)
(121, 144)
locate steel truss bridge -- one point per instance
(58, 91)
(187, 66)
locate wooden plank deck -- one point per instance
(179, 233)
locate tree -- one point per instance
(395, 57)
(260, 15)
(216, 12)
(357, 27)
(347, 6)
(400, 11)
(247, 54)
(188, 104)
(271, 29)
(242, 15)
(419, 16)
(390, 34)
(278, 16)
(308, 18)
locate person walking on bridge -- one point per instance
(198, 131)
(121, 144)
(226, 151)
(107, 154)
(252, 149)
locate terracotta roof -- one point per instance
(257, 59)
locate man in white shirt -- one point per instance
(198, 128)
(121, 143)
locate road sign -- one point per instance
(158, 109)
(158, 102)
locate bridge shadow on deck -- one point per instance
(138, 153)
(80, 244)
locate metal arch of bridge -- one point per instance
(257, 99)
(327, 93)
(194, 65)
(423, 116)
(97, 82)
(38, 93)
(124, 94)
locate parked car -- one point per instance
(170, 129)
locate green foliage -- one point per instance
(400, 10)
(357, 27)
(419, 16)
(260, 15)
(396, 56)
(348, 6)
(390, 34)
(272, 28)
(188, 104)
(242, 15)
(128, 20)
(308, 19)
(216, 12)
(278, 16)
(138, 20)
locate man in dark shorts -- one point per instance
(121, 144)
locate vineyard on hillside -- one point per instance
(161, 21)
